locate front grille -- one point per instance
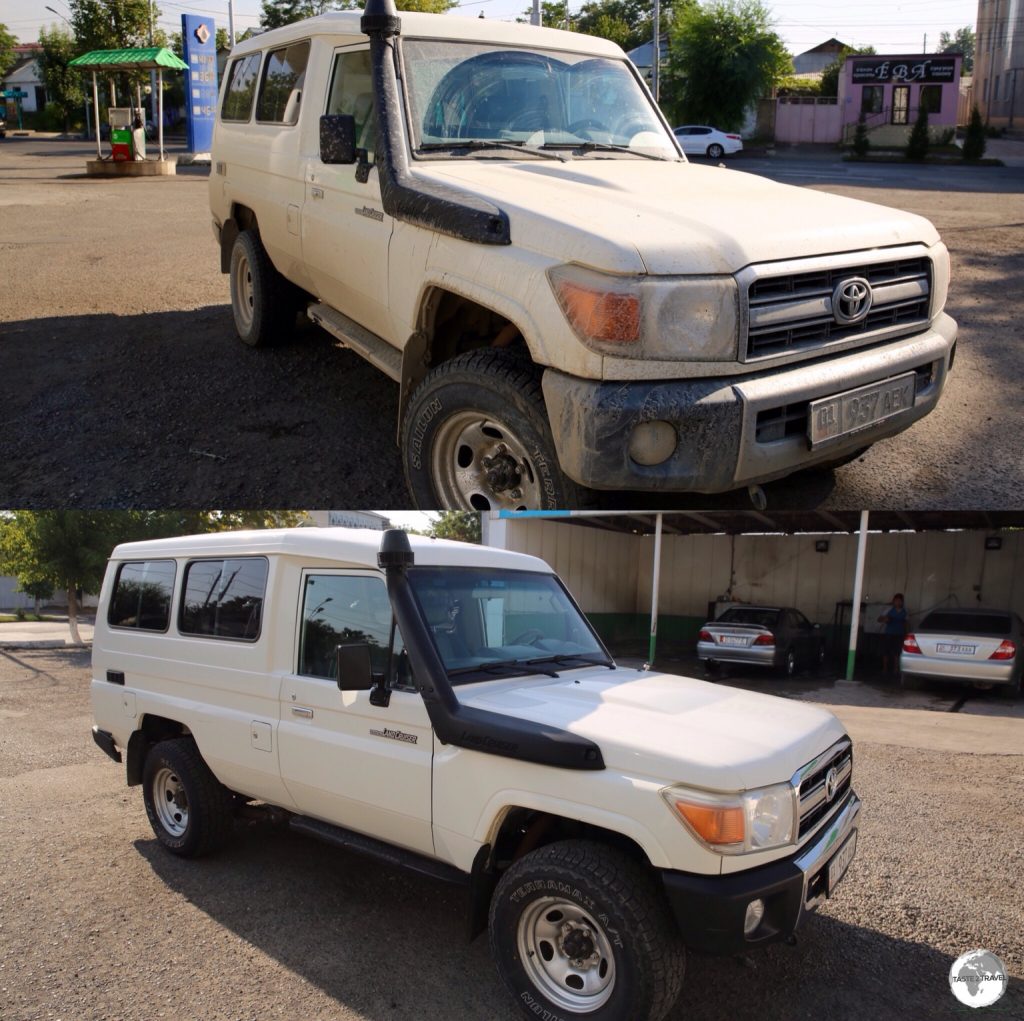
(814, 805)
(793, 312)
(791, 419)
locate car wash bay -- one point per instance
(649, 586)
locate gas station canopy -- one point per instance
(146, 58)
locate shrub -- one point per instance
(974, 140)
(917, 144)
(861, 142)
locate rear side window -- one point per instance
(142, 595)
(972, 623)
(224, 598)
(241, 88)
(281, 91)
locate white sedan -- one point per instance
(699, 140)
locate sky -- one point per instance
(891, 27)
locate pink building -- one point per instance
(890, 90)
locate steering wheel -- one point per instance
(585, 124)
(535, 119)
(528, 637)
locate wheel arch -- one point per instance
(457, 316)
(241, 218)
(152, 730)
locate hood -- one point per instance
(647, 216)
(669, 728)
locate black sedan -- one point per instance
(769, 636)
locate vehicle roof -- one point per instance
(353, 547)
(437, 26)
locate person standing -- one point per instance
(895, 621)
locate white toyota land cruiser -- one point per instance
(448, 708)
(499, 218)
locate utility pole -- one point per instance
(535, 15)
(231, 24)
(656, 59)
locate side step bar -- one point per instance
(350, 334)
(387, 853)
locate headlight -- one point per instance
(940, 276)
(673, 318)
(737, 823)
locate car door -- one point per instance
(343, 760)
(345, 231)
(805, 637)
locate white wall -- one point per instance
(610, 572)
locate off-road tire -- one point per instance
(264, 304)
(210, 820)
(624, 899)
(503, 386)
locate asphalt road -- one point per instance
(121, 381)
(99, 922)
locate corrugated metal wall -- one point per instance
(609, 572)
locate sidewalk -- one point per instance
(45, 634)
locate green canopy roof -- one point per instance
(147, 58)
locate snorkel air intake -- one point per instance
(466, 726)
(424, 203)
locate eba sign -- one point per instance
(900, 70)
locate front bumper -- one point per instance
(716, 420)
(709, 910)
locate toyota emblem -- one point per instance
(851, 301)
(831, 784)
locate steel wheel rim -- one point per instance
(170, 801)
(474, 460)
(244, 294)
(549, 930)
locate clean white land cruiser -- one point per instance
(447, 707)
(499, 218)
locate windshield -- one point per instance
(462, 92)
(485, 621)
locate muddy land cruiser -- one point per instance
(448, 708)
(498, 217)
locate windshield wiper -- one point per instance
(585, 147)
(483, 144)
(568, 657)
(501, 664)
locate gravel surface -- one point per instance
(122, 383)
(99, 922)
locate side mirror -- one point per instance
(355, 672)
(337, 138)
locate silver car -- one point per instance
(768, 636)
(972, 646)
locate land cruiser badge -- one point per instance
(396, 735)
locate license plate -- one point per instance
(731, 640)
(956, 648)
(841, 861)
(857, 409)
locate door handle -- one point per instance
(299, 710)
(317, 193)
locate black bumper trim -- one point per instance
(106, 741)
(709, 910)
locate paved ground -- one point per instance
(99, 923)
(121, 382)
(52, 633)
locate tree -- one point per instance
(861, 142)
(7, 54)
(110, 24)
(276, 13)
(829, 82)
(961, 41)
(463, 526)
(724, 56)
(629, 23)
(974, 139)
(63, 83)
(917, 144)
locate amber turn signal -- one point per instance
(714, 824)
(601, 315)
